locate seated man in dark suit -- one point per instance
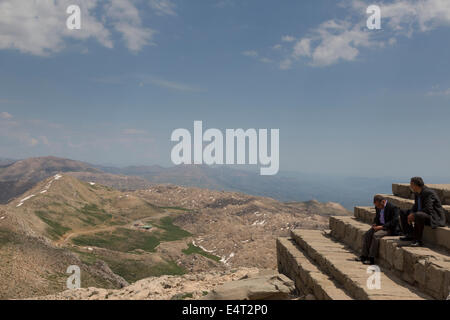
(384, 224)
(427, 210)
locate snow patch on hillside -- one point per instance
(226, 260)
(201, 247)
(259, 223)
(46, 188)
(25, 199)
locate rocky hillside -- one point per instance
(32, 265)
(237, 284)
(285, 186)
(17, 177)
(97, 227)
(239, 228)
(320, 208)
(120, 237)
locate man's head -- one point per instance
(379, 201)
(416, 184)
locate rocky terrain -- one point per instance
(120, 237)
(239, 228)
(32, 265)
(17, 177)
(237, 284)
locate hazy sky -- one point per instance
(347, 100)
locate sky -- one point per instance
(347, 100)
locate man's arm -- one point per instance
(428, 200)
(394, 218)
(376, 220)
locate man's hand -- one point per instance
(411, 218)
(377, 228)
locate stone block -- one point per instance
(420, 272)
(435, 279)
(398, 258)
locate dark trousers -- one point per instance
(407, 229)
(421, 219)
(371, 242)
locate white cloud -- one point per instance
(33, 142)
(392, 41)
(126, 20)
(147, 79)
(287, 39)
(339, 41)
(335, 40)
(255, 54)
(302, 48)
(172, 85)
(332, 42)
(435, 92)
(16, 131)
(424, 15)
(224, 3)
(27, 136)
(265, 60)
(286, 64)
(39, 27)
(134, 36)
(44, 140)
(250, 53)
(5, 115)
(163, 7)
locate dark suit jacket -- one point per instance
(431, 205)
(391, 218)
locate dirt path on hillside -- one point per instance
(66, 237)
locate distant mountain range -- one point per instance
(118, 237)
(5, 162)
(16, 177)
(286, 186)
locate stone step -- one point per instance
(308, 279)
(435, 237)
(364, 214)
(337, 260)
(406, 204)
(425, 268)
(402, 190)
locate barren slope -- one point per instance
(64, 221)
(239, 228)
(20, 176)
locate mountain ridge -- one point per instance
(20, 176)
(285, 187)
(66, 221)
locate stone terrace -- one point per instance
(322, 262)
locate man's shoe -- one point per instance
(417, 244)
(361, 259)
(407, 238)
(370, 261)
